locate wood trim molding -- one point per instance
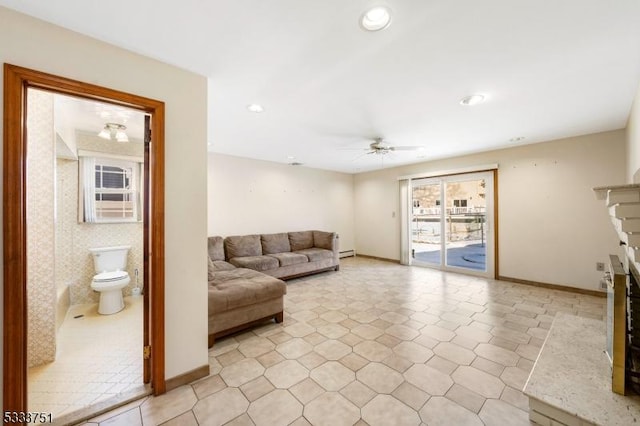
(188, 377)
(384, 259)
(14, 245)
(554, 286)
(16, 82)
(496, 222)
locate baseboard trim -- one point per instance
(187, 377)
(384, 259)
(554, 286)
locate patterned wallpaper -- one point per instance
(41, 288)
(79, 269)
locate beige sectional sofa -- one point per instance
(284, 255)
(244, 288)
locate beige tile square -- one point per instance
(159, 409)
(441, 364)
(411, 395)
(314, 338)
(333, 349)
(488, 366)
(256, 388)
(270, 358)
(230, 357)
(294, 348)
(241, 372)
(221, 407)
(306, 390)
(358, 393)
(206, 387)
(351, 339)
(354, 361)
(332, 375)
(428, 379)
(186, 419)
(497, 412)
(379, 377)
(398, 363)
(372, 350)
(389, 340)
(286, 374)
(312, 360)
(331, 409)
(263, 411)
(483, 383)
(413, 352)
(466, 398)
(387, 410)
(439, 411)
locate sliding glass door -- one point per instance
(452, 223)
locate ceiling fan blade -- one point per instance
(407, 148)
(360, 156)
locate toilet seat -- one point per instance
(105, 277)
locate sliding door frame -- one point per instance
(493, 230)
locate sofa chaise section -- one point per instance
(238, 297)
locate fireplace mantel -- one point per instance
(623, 203)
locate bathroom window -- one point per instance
(110, 190)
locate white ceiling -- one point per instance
(91, 116)
(549, 68)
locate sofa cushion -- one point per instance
(241, 246)
(288, 259)
(216, 248)
(257, 263)
(323, 240)
(315, 254)
(242, 287)
(211, 269)
(221, 265)
(275, 243)
(301, 240)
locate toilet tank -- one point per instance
(110, 258)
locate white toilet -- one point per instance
(111, 278)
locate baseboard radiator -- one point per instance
(347, 253)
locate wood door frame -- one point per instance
(16, 82)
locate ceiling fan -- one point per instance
(380, 147)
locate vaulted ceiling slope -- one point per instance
(548, 69)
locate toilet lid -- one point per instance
(110, 276)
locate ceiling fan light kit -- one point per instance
(376, 19)
(115, 131)
(257, 108)
(472, 100)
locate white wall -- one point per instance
(551, 227)
(633, 141)
(257, 197)
(30, 43)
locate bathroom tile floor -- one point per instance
(376, 343)
(98, 357)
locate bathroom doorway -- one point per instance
(118, 212)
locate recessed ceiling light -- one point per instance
(255, 108)
(376, 19)
(516, 139)
(472, 100)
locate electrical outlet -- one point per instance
(599, 266)
(603, 285)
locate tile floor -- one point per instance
(98, 357)
(375, 343)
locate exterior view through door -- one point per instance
(451, 223)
